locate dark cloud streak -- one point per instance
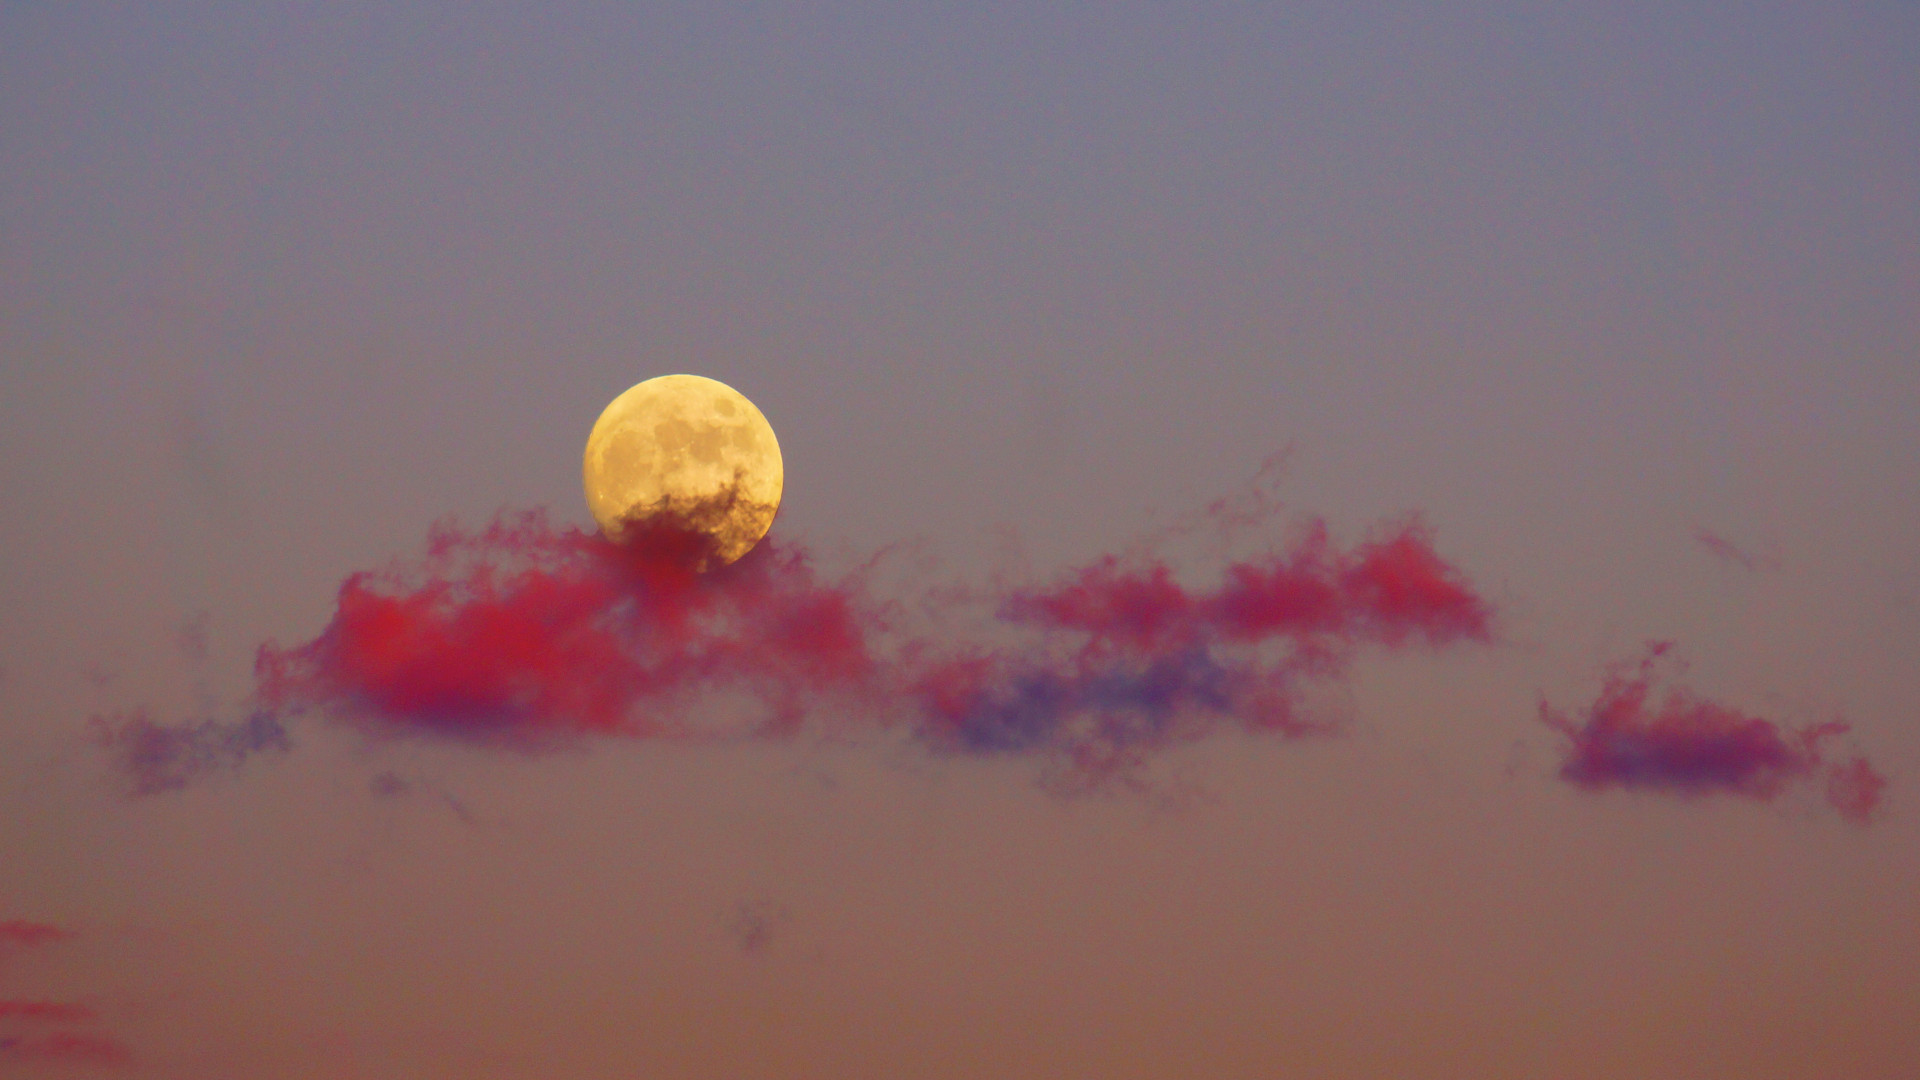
(1729, 552)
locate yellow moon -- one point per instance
(689, 450)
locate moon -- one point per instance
(689, 451)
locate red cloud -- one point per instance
(69, 1046)
(1386, 591)
(522, 633)
(1691, 746)
(20, 1041)
(1145, 661)
(19, 932)
(522, 630)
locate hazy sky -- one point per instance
(1618, 299)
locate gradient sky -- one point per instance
(1620, 298)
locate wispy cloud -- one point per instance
(1731, 553)
(155, 757)
(74, 1047)
(43, 1030)
(60, 1011)
(19, 932)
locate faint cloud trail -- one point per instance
(1733, 554)
(45, 1031)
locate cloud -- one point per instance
(58, 1011)
(18, 932)
(523, 631)
(1854, 789)
(388, 784)
(1128, 660)
(753, 923)
(1728, 552)
(155, 757)
(75, 1047)
(25, 1023)
(524, 634)
(1682, 744)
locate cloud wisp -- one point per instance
(66, 1012)
(155, 757)
(73, 1047)
(1733, 554)
(1635, 738)
(50, 1031)
(524, 634)
(19, 933)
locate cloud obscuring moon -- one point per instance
(689, 452)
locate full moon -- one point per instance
(691, 451)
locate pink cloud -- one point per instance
(21, 932)
(523, 633)
(25, 1037)
(1634, 738)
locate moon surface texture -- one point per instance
(688, 451)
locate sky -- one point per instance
(1320, 540)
